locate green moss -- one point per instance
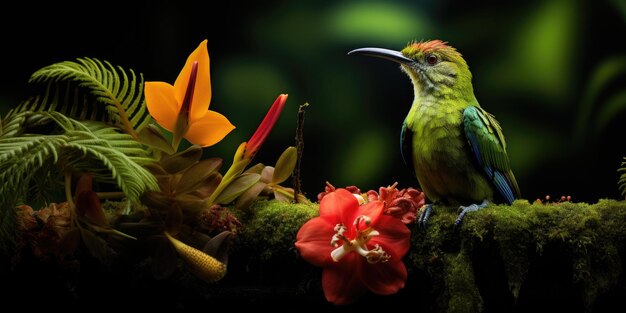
(509, 243)
(463, 295)
(591, 236)
(271, 227)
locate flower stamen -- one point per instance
(339, 229)
(359, 243)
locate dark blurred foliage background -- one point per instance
(553, 73)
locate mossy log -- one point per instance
(564, 257)
(518, 258)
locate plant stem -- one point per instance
(111, 195)
(68, 190)
(127, 126)
(68, 196)
(238, 165)
(297, 188)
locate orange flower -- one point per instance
(183, 108)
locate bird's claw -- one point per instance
(425, 215)
(470, 208)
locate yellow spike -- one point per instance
(203, 265)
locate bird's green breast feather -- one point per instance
(441, 158)
(436, 131)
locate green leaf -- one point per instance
(247, 198)
(208, 186)
(98, 248)
(237, 187)
(284, 194)
(87, 146)
(157, 201)
(622, 178)
(197, 173)
(219, 245)
(190, 204)
(152, 136)
(285, 165)
(91, 89)
(257, 168)
(181, 160)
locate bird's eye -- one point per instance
(432, 59)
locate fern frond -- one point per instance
(622, 179)
(73, 145)
(90, 89)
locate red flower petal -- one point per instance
(394, 238)
(339, 206)
(388, 278)
(88, 206)
(373, 210)
(201, 86)
(313, 241)
(384, 278)
(342, 282)
(261, 133)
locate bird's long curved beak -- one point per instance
(391, 55)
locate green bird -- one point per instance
(455, 147)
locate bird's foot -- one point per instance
(426, 210)
(470, 208)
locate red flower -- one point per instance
(402, 204)
(261, 133)
(330, 188)
(359, 247)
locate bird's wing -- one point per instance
(406, 144)
(487, 143)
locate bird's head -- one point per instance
(434, 66)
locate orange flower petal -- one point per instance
(209, 129)
(162, 104)
(202, 88)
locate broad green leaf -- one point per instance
(219, 245)
(284, 194)
(190, 204)
(98, 248)
(197, 173)
(208, 186)
(285, 165)
(247, 198)
(155, 169)
(256, 169)
(237, 187)
(152, 136)
(157, 201)
(181, 160)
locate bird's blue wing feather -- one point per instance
(486, 141)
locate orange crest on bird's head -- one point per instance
(417, 49)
